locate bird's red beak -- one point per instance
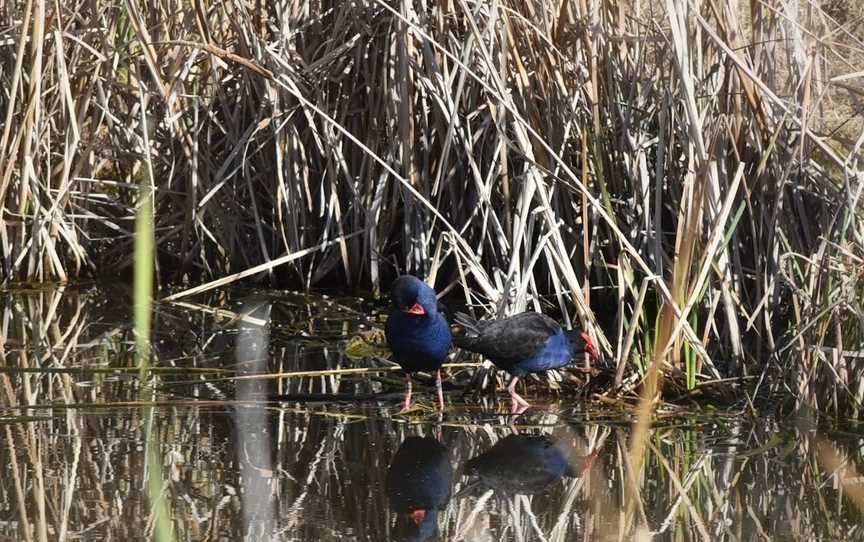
(417, 309)
(589, 346)
(417, 516)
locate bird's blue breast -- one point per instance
(419, 343)
(556, 352)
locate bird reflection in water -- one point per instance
(522, 465)
(418, 486)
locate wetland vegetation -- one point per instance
(74, 453)
(680, 179)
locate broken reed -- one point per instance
(163, 530)
(566, 156)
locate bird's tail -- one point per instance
(470, 329)
(475, 485)
(474, 488)
(468, 322)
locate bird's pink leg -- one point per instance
(440, 392)
(520, 405)
(407, 391)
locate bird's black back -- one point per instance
(507, 341)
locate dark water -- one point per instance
(72, 463)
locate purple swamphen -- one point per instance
(418, 486)
(417, 331)
(529, 342)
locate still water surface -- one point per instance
(319, 465)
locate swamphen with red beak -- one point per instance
(417, 332)
(418, 486)
(529, 342)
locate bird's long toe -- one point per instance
(439, 389)
(407, 404)
(518, 408)
(519, 405)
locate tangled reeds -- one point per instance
(687, 172)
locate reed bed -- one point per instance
(681, 179)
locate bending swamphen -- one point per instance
(417, 332)
(418, 486)
(528, 342)
(522, 465)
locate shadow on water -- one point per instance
(72, 456)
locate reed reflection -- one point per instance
(253, 447)
(73, 443)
